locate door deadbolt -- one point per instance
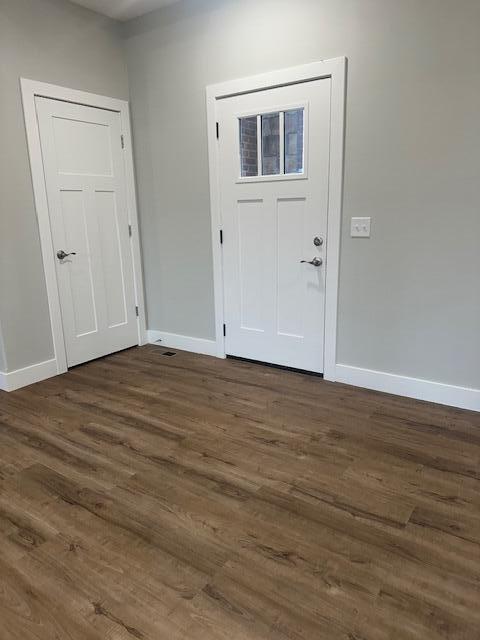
(318, 241)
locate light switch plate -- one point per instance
(360, 227)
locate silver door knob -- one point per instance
(61, 255)
(316, 262)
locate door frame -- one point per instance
(30, 89)
(336, 70)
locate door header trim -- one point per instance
(279, 78)
(336, 69)
(30, 89)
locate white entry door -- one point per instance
(85, 182)
(274, 149)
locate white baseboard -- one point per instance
(28, 375)
(186, 343)
(461, 397)
(451, 395)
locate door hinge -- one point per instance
(130, 230)
(218, 130)
(122, 141)
(221, 236)
(224, 330)
(137, 312)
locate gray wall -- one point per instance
(409, 297)
(58, 42)
(3, 360)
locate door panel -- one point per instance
(83, 148)
(110, 246)
(85, 180)
(290, 295)
(251, 237)
(274, 156)
(80, 276)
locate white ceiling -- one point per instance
(124, 9)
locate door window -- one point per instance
(248, 147)
(272, 144)
(294, 141)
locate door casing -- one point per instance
(30, 89)
(336, 70)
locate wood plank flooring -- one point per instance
(189, 498)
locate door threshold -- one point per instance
(276, 366)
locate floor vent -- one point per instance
(169, 353)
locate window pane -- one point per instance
(271, 144)
(248, 147)
(294, 141)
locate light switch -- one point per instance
(360, 227)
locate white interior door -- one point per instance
(274, 149)
(85, 182)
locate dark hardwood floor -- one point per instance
(190, 498)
